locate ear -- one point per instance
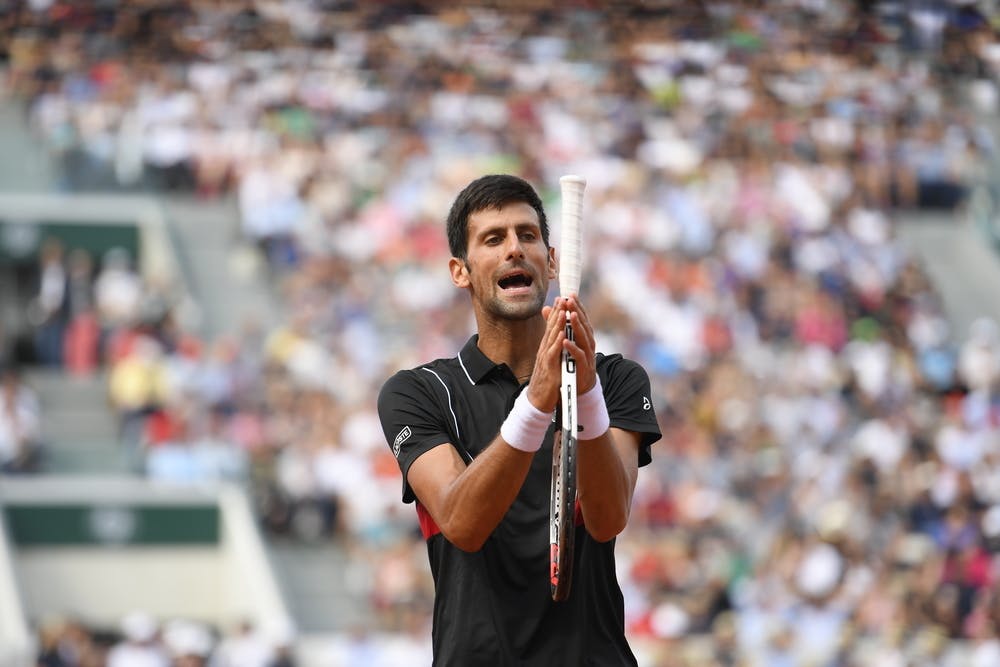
(459, 272)
(553, 264)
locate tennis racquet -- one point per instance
(562, 508)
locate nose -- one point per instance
(515, 249)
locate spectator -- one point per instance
(140, 645)
(117, 291)
(245, 647)
(20, 423)
(82, 340)
(137, 387)
(979, 360)
(51, 304)
(66, 642)
(189, 643)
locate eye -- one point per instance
(528, 236)
(492, 240)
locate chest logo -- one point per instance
(646, 405)
(400, 439)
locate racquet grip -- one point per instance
(570, 260)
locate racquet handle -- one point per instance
(570, 260)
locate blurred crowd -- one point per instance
(827, 491)
(143, 641)
(81, 317)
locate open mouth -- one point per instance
(515, 280)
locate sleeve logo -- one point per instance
(646, 405)
(400, 439)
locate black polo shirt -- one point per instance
(494, 607)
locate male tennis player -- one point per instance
(473, 437)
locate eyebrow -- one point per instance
(519, 226)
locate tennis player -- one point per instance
(473, 437)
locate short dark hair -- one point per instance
(493, 191)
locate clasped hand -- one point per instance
(543, 391)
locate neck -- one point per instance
(514, 343)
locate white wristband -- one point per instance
(593, 420)
(525, 426)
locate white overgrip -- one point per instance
(570, 259)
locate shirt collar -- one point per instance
(475, 364)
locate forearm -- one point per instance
(474, 503)
(607, 471)
(468, 501)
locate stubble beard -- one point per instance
(519, 310)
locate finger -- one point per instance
(554, 315)
(583, 333)
(586, 365)
(553, 329)
(582, 350)
(578, 308)
(574, 306)
(549, 312)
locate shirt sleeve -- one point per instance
(629, 400)
(411, 421)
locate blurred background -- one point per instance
(221, 229)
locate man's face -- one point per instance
(508, 265)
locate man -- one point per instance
(20, 424)
(473, 437)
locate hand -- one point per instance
(543, 391)
(583, 347)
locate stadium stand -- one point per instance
(781, 229)
(16, 645)
(108, 550)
